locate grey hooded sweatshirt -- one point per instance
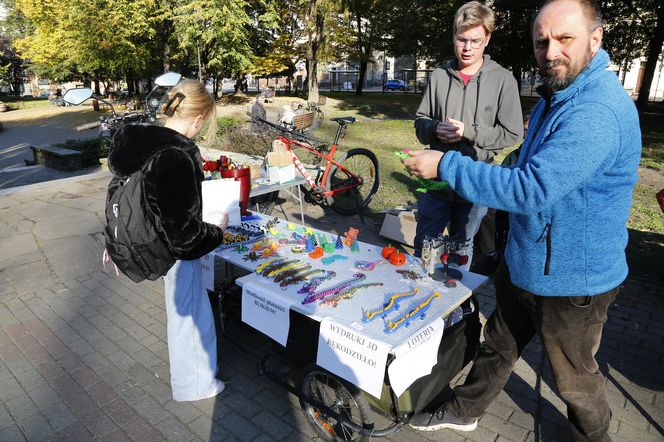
(488, 106)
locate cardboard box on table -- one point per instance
(400, 226)
(280, 167)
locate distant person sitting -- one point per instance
(258, 110)
(286, 118)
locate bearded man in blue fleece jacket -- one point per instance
(569, 197)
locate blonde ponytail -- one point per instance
(190, 99)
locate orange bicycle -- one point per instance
(346, 184)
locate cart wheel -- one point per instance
(340, 396)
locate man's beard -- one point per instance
(557, 81)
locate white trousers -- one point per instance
(192, 339)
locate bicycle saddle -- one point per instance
(342, 120)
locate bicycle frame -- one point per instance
(328, 157)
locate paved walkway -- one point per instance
(83, 353)
(38, 127)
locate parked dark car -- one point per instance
(395, 85)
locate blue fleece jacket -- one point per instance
(570, 193)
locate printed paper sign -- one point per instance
(207, 271)
(416, 357)
(266, 311)
(221, 197)
(353, 356)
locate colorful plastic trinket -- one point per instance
(348, 293)
(419, 311)
(269, 263)
(282, 269)
(334, 258)
(310, 245)
(350, 236)
(299, 277)
(302, 267)
(317, 253)
(297, 248)
(277, 265)
(311, 286)
(391, 305)
(251, 256)
(410, 274)
(334, 290)
(367, 266)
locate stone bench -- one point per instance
(55, 157)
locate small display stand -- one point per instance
(366, 330)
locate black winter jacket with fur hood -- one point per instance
(172, 185)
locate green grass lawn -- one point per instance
(385, 125)
(31, 103)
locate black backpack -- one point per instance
(134, 241)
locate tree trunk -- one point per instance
(363, 75)
(130, 83)
(316, 42)
(654, 50)
(167, 57)
(365, 54)
(517, 72)
(624, 72)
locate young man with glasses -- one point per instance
(568, 197)
(471, 105)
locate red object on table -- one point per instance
(244, 176)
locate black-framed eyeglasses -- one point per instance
(475, 43)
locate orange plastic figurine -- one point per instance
(350, 236)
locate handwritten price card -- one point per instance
(266, 311)
(352, 356)
(416, 357)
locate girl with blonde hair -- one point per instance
(172, 167)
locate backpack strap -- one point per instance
(105, 258)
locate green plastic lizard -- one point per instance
(425, 184)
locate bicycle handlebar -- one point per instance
(291, 133)
(129, 117)
(87, 126)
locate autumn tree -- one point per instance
(362, 19)
(12, 66)
(90, 40)
(276, 38)
(215, 31)
(512, 43)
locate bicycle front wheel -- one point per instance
(361, 163)
(342, 397)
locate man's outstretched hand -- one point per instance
(423, 163)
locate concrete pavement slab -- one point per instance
(75, 225)
(88, 349)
